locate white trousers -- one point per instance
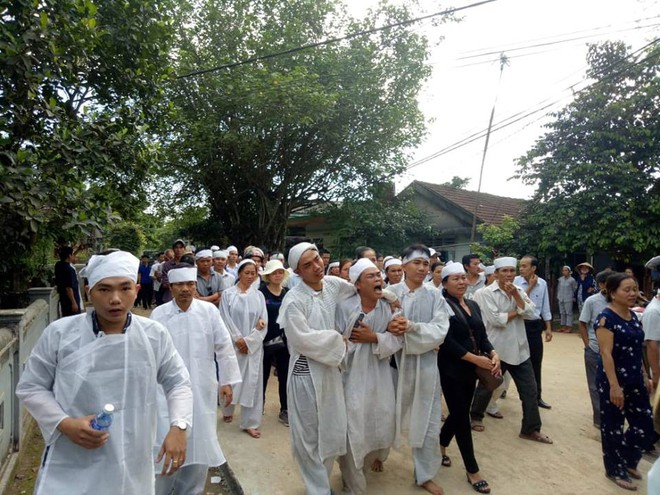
(304, 428)
(355, 480)
(189, 480)
(250, 416)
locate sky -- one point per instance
(458, 99)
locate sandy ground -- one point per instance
(572, 466)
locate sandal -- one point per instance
(624, 483)
(536, 436)
(477, 425)
(480, 486)
(228, 419)
(446, 460)
(635, 474)
(496, 415)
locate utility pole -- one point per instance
(503, 61)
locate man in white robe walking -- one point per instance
(418, 404)
(108, 356)
(368, 386)
(202, 340)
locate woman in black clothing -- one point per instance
(465, 347)
(275, 349)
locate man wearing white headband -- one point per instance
(209, 283)
(315, 394)
(425, 321)
(504, 307)
(108, 356)
(202, 340)
(227, 280)
(232, 261)
(368, 386)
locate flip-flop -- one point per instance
(536, 436)
(624, 483)
(480, 486)
(477, 425)
(496, 415)
(446, 461)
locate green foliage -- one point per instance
(499, 240)
(457, 182)
(127, 237)
(387, 225)
(80, 93)
(193, 224)
(597, 168)
(261, 141)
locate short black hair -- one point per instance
(469, 257)
(532, 260)
(360, 250)
(436, 265)
(188, 259)
(65, 252)
(601, 277)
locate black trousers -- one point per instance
(458, 396)
(281, 359)
(145, 296)
(534, 330)
(523, 377)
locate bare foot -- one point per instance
(377, 466)
(432, 488)
(253, 432)
(228, 419)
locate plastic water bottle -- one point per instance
(103, 420)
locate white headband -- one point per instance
(490, 269)
(334, 264)
(220, 254)
(232, 248)
(506, 261)
(392, 262)
(117, 264)
(358, 267)
(416, 255)
(245, 262)
(178, 275)
(296, 252)
(453, 269)
(204, 253)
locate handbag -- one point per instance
(487, 380)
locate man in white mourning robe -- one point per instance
(315, 394)
(418, 406)
(202, 340)
(368, 386)
(107, 356)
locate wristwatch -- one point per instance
(181, 425)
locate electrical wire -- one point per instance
(290, 51)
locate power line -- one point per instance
(522, 115)
(333, 40)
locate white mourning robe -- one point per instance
(240, 312)
(201, 339)
(417, 363)
(73, 373)
(368, 385)
(308, 320)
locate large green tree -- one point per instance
(597, 169)
(80, 98)
(260, 141)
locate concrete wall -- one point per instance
(19, 331)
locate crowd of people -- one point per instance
(364, 351)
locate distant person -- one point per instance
(179, 250)
(475, 277)
(651, 325)
(146, 294)
(209, 283)
(393, 271)
(66, 280)
(108, 356)
(154, 273)
(566, 287)
(586, 283)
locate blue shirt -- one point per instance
(538, 295)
